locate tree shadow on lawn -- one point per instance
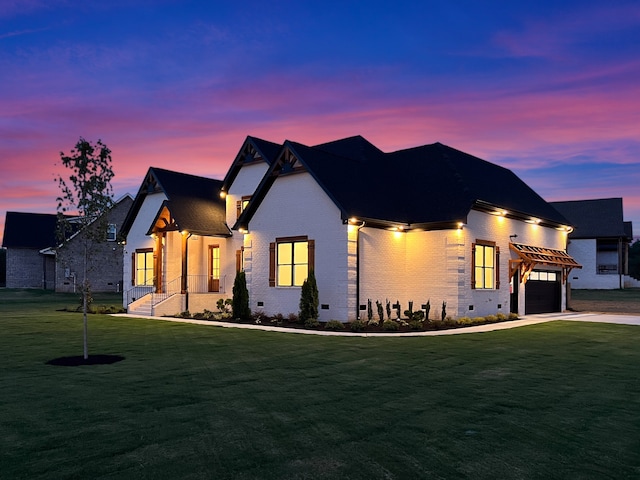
(79, 360)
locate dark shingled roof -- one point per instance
(29, 230)
(596, 218)
(423, 186)
(194, 202)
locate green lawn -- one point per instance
(555, 400)
(627, 295)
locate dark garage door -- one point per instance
(542, 292)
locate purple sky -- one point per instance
(548, 89)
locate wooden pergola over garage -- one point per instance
(529, 257)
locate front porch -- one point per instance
(194, 294)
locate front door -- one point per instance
(214, 268)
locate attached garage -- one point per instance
(543, 292)
(542, 287)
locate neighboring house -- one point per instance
(25, 235)
(424, 224)
(104, 269)
(34, 262)
(600, 242)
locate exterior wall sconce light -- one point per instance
(223, 194)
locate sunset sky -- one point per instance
(549, 89)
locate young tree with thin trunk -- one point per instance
(85, 198)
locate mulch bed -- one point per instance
(79, 360)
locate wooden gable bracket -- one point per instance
(565, 274)
(251, 154)
(513, 267)
(164, 221)
(526, 271)
(289, 163)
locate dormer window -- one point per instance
(241, 205)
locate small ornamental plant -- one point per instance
(390, 326)
(334, 325)
(357, 326)
(311, 323)
(380, 310)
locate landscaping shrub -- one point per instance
(380, 311)
(513, 316)
(450, 322)
(293, 318)
(259, 317)
(309, 299)
(334, 325)
(491, 318)
(240, 303)
(479, 320)
(311, 323)
(357, 326)
(184, 314)
(416, 324)
(465, 321)
(501, 317)
(390, 326)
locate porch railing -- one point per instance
(610, 269)
(134, 293)
(205, 284)
(195, 284)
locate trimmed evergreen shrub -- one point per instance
(309, 298)
(240, 304)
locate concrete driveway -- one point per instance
(623, 319)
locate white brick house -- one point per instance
(424, 224)
(600, 242)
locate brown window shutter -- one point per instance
(133, 269)
(238, 260)
(311, 246)
(272, 264)
(497, 268)
(238, 208)
(473, 266)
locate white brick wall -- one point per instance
(296, 205)
(584, 251)
(485, 226)
(411, 266)
(137, 237)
